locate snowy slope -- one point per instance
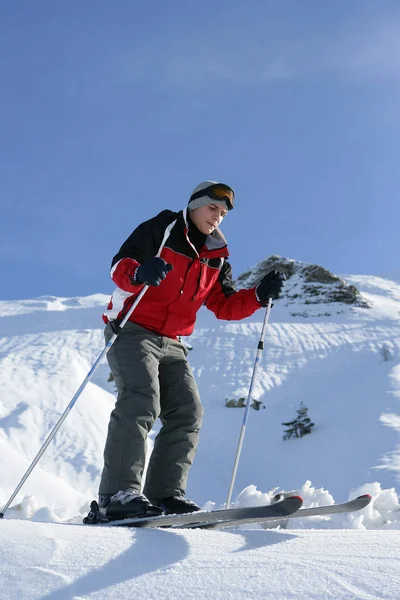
(333, 364)
(62, 562)
(326, 354)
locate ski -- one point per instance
(345, 507)
(280, 509)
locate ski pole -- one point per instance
(260, 348)
(82, 386)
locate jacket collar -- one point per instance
(215, 241)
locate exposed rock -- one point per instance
(252, 277)
(319, 274)
(306, 284)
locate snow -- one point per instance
(328, 355)
(59, 562)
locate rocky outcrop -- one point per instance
(307, 284)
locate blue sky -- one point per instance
(113, 111)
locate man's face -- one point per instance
(208, 217)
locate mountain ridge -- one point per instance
(307, 282)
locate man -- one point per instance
(148, 360)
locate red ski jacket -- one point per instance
(197, 278)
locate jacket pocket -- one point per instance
(207, 277)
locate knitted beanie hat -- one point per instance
(203, 200)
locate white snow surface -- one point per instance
(330, 358)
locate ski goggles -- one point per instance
(217, 191)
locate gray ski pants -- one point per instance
(153, 379)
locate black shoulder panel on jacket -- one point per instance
(225, 279)
(145, 240)
(177, 240)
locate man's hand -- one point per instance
(270, 286)
(153, 271)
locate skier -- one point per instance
(148, 360)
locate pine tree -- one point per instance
(300, 426)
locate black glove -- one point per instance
(270, 286)
(153, 271)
